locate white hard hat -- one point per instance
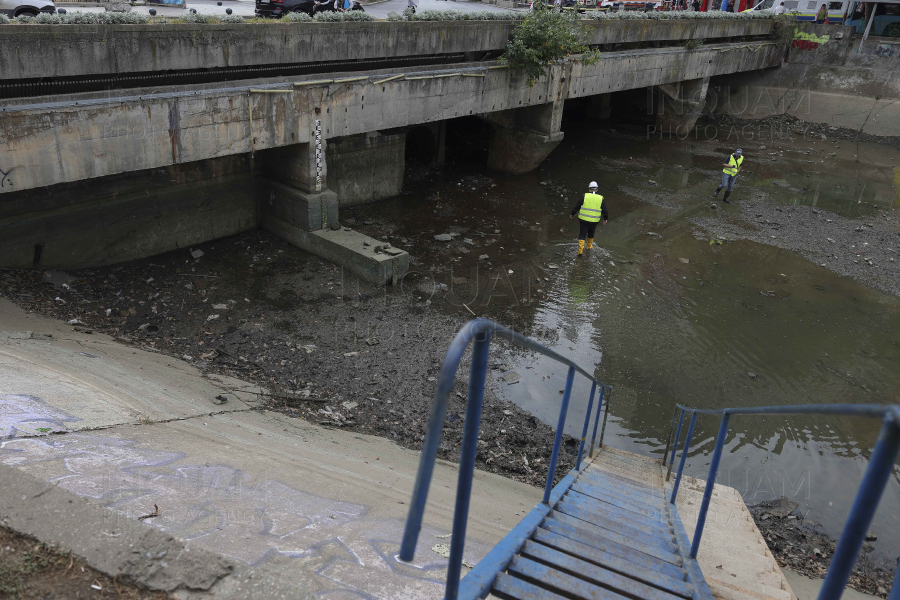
(593, 184)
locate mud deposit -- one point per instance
(802, 546)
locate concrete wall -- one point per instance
(366, 167)
(74, 50)
(824, 81)
(126, 217)
(89, 135)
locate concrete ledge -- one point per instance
(369, 259)
(120, 547)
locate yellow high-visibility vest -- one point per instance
(591, 208)
(732, 170)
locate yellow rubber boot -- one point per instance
(580, 247)
(590, 243)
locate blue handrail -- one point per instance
(881, 465)
(480, 332)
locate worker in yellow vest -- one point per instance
(590, 211)
(731, 168)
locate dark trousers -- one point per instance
(587, 229)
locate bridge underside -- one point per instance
(96, 180)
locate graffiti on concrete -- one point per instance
(808, 41)
(4, 178)
(334, 546)
(22, 415)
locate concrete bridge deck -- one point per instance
(50, 141)
(46, 51)
(101, 177)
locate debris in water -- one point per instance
(197, 253)
(443, 237)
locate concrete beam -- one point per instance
(679, 105)
(42, 51)
(89, 136)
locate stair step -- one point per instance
(623, 504)
(517, 588)
(604, 546)
(558, 581)
(618, 485)
(574, 525)
(614, 512)
(632, 497)
(655, 573)
(662, 539)
(659, 526)
(593, 574)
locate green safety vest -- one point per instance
(590, 208)
(732, 170)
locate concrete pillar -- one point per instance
(522, 138)
(293, 191)
(367, 167)
(296, 205)
(599, 107)
(679, 105)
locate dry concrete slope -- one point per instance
(733, 555)
(131, 429)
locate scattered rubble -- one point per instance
(800, 545)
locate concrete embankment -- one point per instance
(824, 79)
(131, 429)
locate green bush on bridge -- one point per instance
(336, 17)
(545, 37)
(455, 15)
(679, 14)
(536, 56)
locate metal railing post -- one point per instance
(597, 419)
(684, 453)
(881, 466)
(669, 439)
(710, 484)
(675, 448)
(480, 350)
(587, 421)
(895, 589)
(605, 415)
(551, 471)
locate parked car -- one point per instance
(552, 3)
(274, 9)
(640, 5)
(31, 8)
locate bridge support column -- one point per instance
(366, 167)
(294, 193)
(296, 206)
(679, 105)
(522, 138)
(599, 107)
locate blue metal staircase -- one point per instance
(610, 535)
(607, 529)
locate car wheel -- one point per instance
(892, 30)
(27, 12)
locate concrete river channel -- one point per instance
(670, 309)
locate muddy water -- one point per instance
(663, 314)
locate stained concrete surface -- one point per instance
(733, 555)
(124, 549)
(808, 589)
(132, 429)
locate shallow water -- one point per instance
(664, 316)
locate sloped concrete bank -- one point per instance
(825, 79)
